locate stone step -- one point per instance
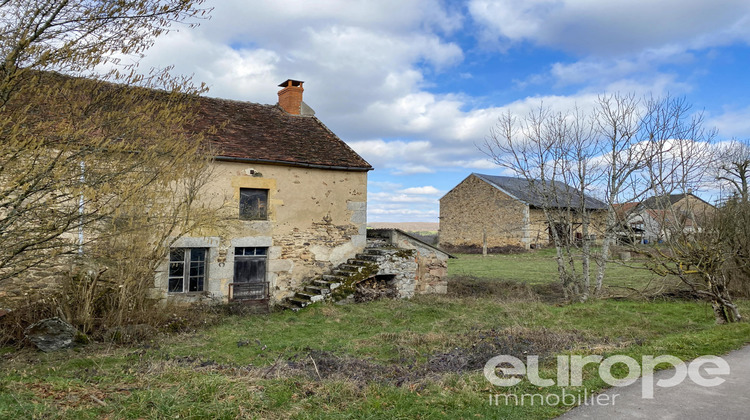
(312, 297)
(289, 306)
(299, 301)
(304, 295)
(342, 273)
(318, 290)
(321, 287)
(358, 262)
(326, 280)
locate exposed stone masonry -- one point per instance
(412, 268)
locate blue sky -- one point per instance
(413, 85)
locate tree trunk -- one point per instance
(586, 255)
(609, 239)
(719, 314)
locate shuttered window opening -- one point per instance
(250, 273)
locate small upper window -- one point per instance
(253, 204)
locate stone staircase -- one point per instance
(339, 284)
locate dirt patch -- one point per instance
(471, 355)
(517, 342)
(678, 294)
(468, 352)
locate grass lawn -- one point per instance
(420, 358)
(539, 267)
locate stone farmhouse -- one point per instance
(300, 232)
(506, 211)
(300, 199)
(299, 194)
(658, 217)
(297, 199)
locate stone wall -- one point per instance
(316, 221)
(31, 286)
(431, 263)
(474, 208)
(403, 265)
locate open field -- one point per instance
(407, 226)
(387, 359)
(539, 267)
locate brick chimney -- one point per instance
(290, 96)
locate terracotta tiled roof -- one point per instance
(266, 133)
(624, 209)
(258, 133)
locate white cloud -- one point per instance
(613, 27)
(384, 197)
(426, 190)
(732, 123)
(384, 185)
(364, 68)
(368, 67)
(478, 164)
(389, 150)
(400, 211)
(410, 204)
(411, 170)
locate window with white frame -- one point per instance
(187, 269)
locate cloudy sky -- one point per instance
(414, 85)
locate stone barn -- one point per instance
(505, 211)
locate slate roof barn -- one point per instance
(560, 194)
(505, 211)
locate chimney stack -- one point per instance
(290, 97)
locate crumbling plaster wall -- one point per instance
(317, 219)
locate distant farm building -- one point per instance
(659, 217)
(505, 211)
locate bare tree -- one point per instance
(617, 119)
(77, 150)
(734, 167)
(551, 151)
(701, 255)
(733, 170)
(654, 147)
(80, 36)
(630, 148)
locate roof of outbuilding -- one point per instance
(378, 232)
(524, 190)
(662, 201)
(267, 134)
